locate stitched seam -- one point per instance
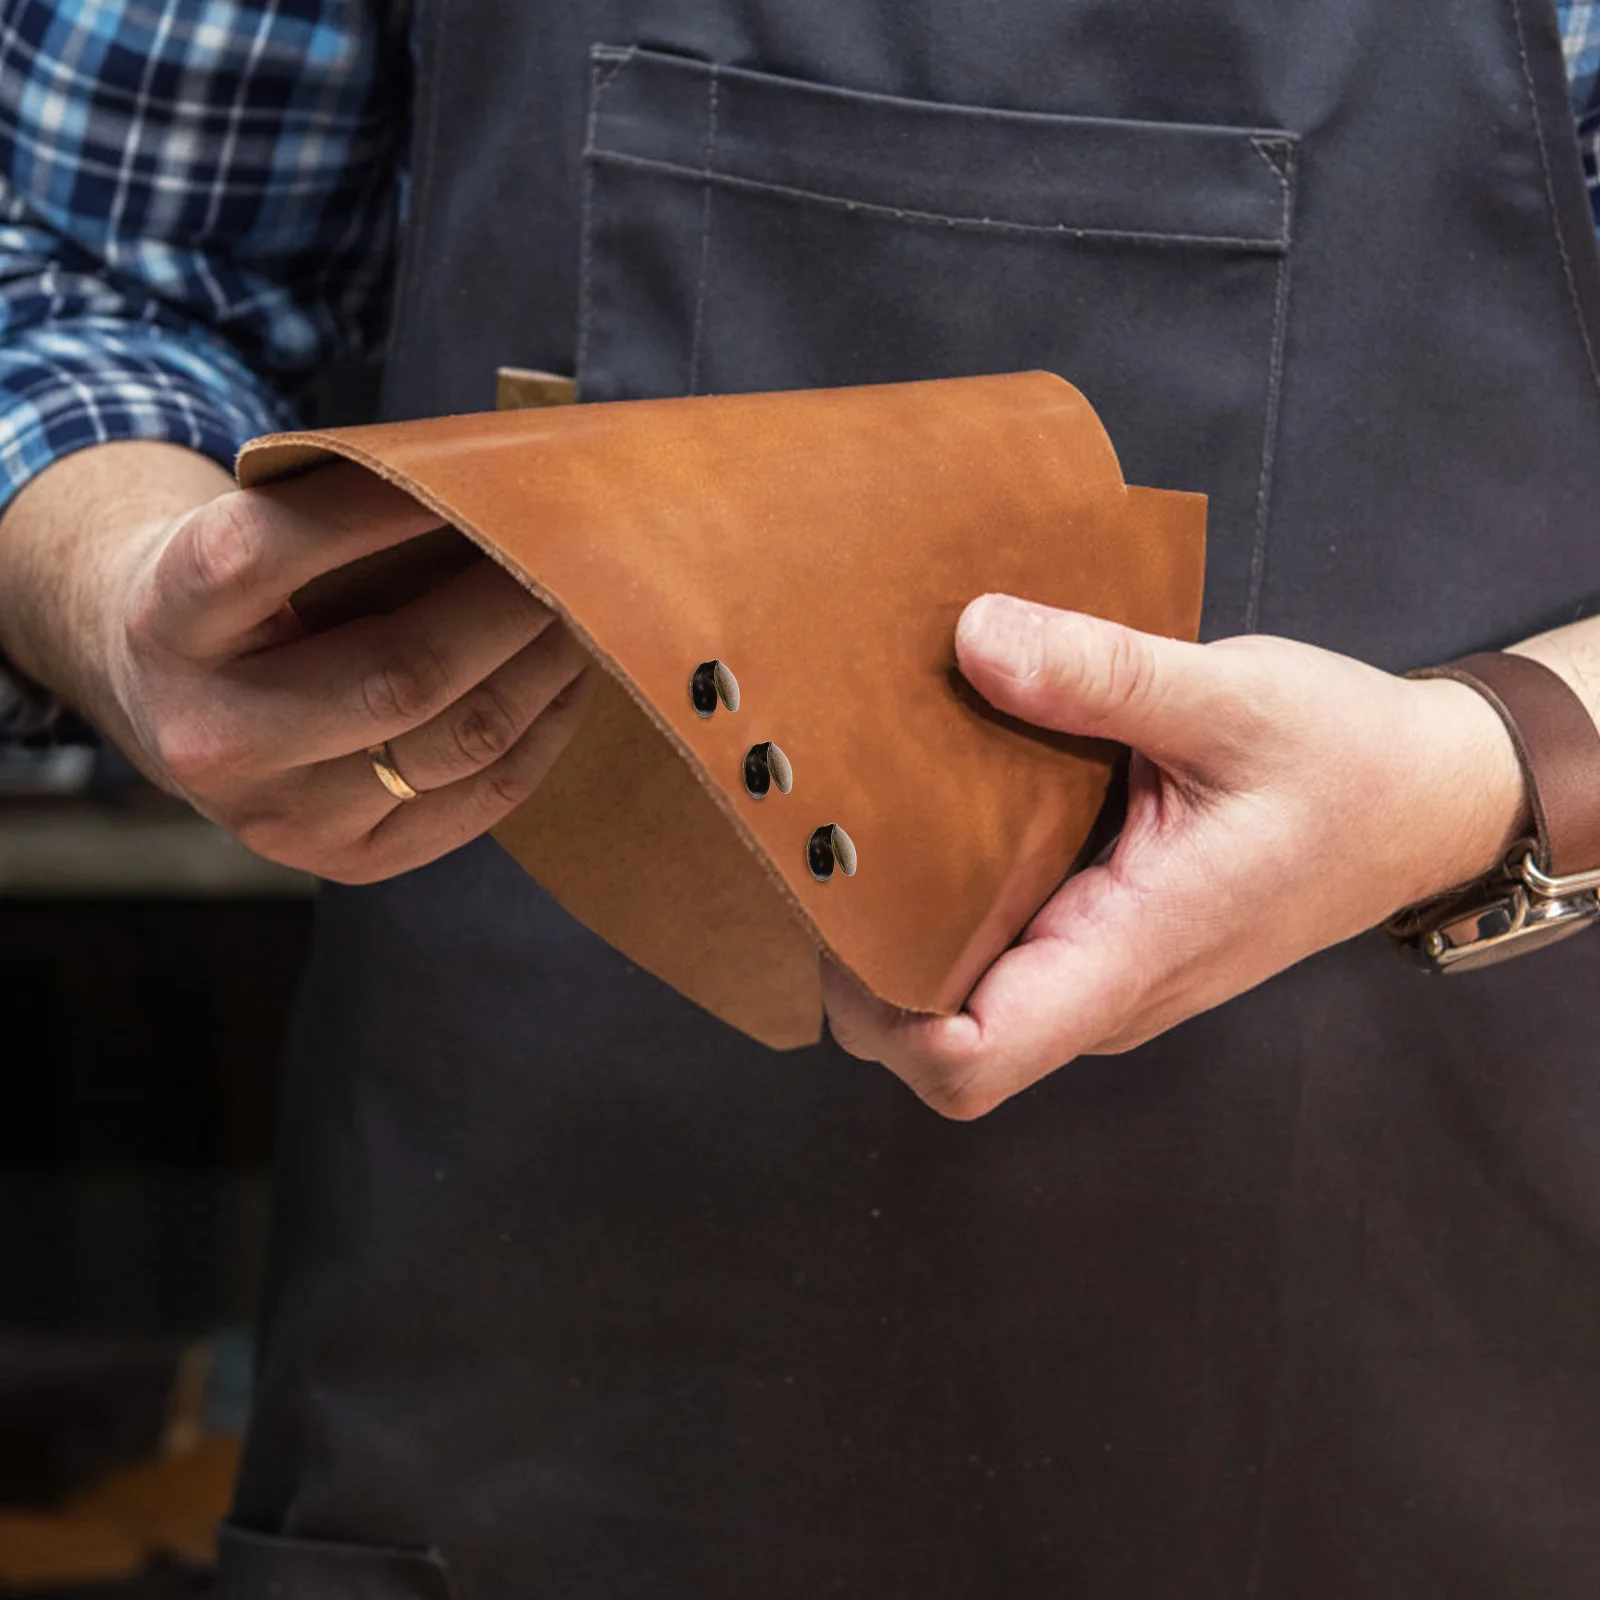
(608, 63)
(667, 64)
(586, 243)
(1269, 427)
(1262, 243)
(1550, 194)
(698, 325)
(604, 68)
(1264, 145)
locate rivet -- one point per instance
(710, 682)
(767, 767)
(830, 846)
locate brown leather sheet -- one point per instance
(822, 544)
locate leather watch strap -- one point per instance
(1558, 746)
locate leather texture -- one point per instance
(1557, 745)
(822, 544)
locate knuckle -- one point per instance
(373, 856)
(405, 685)
(199, 754)
(223, 546)
(508, 786)
(1126, 671)
(270, 832)
(960, 1099)
(486, 729)
(339, 854)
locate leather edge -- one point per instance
(300, 452)
(277, 456)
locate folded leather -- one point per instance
(821, 544)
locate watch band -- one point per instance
(1557, 745)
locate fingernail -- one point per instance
(1007, 634)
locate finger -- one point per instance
(1080, 674)
(424, 829)
(484, 724)
(1075, 981)
(231, 565)
(340, 692)
(871, 1029)
(480, 729)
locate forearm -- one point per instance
(60, 538)
(200, 328)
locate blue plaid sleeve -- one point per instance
(197, 214)
(1580, 41)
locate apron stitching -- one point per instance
(602, 74)
(1264, 147)
(712, 91)
(1262, 244)
(608, 64)
(1269, 429)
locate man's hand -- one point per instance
(1282, 799)
(183, 646)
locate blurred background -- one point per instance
(147, 965)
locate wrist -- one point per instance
(1553, 890)
(1472, 803)
(71, 543)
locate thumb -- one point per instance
(1080, 674)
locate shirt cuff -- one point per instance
(79, 383)
(94, 380)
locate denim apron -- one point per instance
(577, 1293)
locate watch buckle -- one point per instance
(1517, 909)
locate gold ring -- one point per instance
(382, 759)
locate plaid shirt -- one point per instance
(1580, 39)
(198, 207)
(197, 214)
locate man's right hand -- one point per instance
(175, 635)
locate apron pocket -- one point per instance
(258, 1566)
(748, 232)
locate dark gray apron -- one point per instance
(590, 1297)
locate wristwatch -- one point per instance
(1548, 887)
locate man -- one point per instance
(575, 1292)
